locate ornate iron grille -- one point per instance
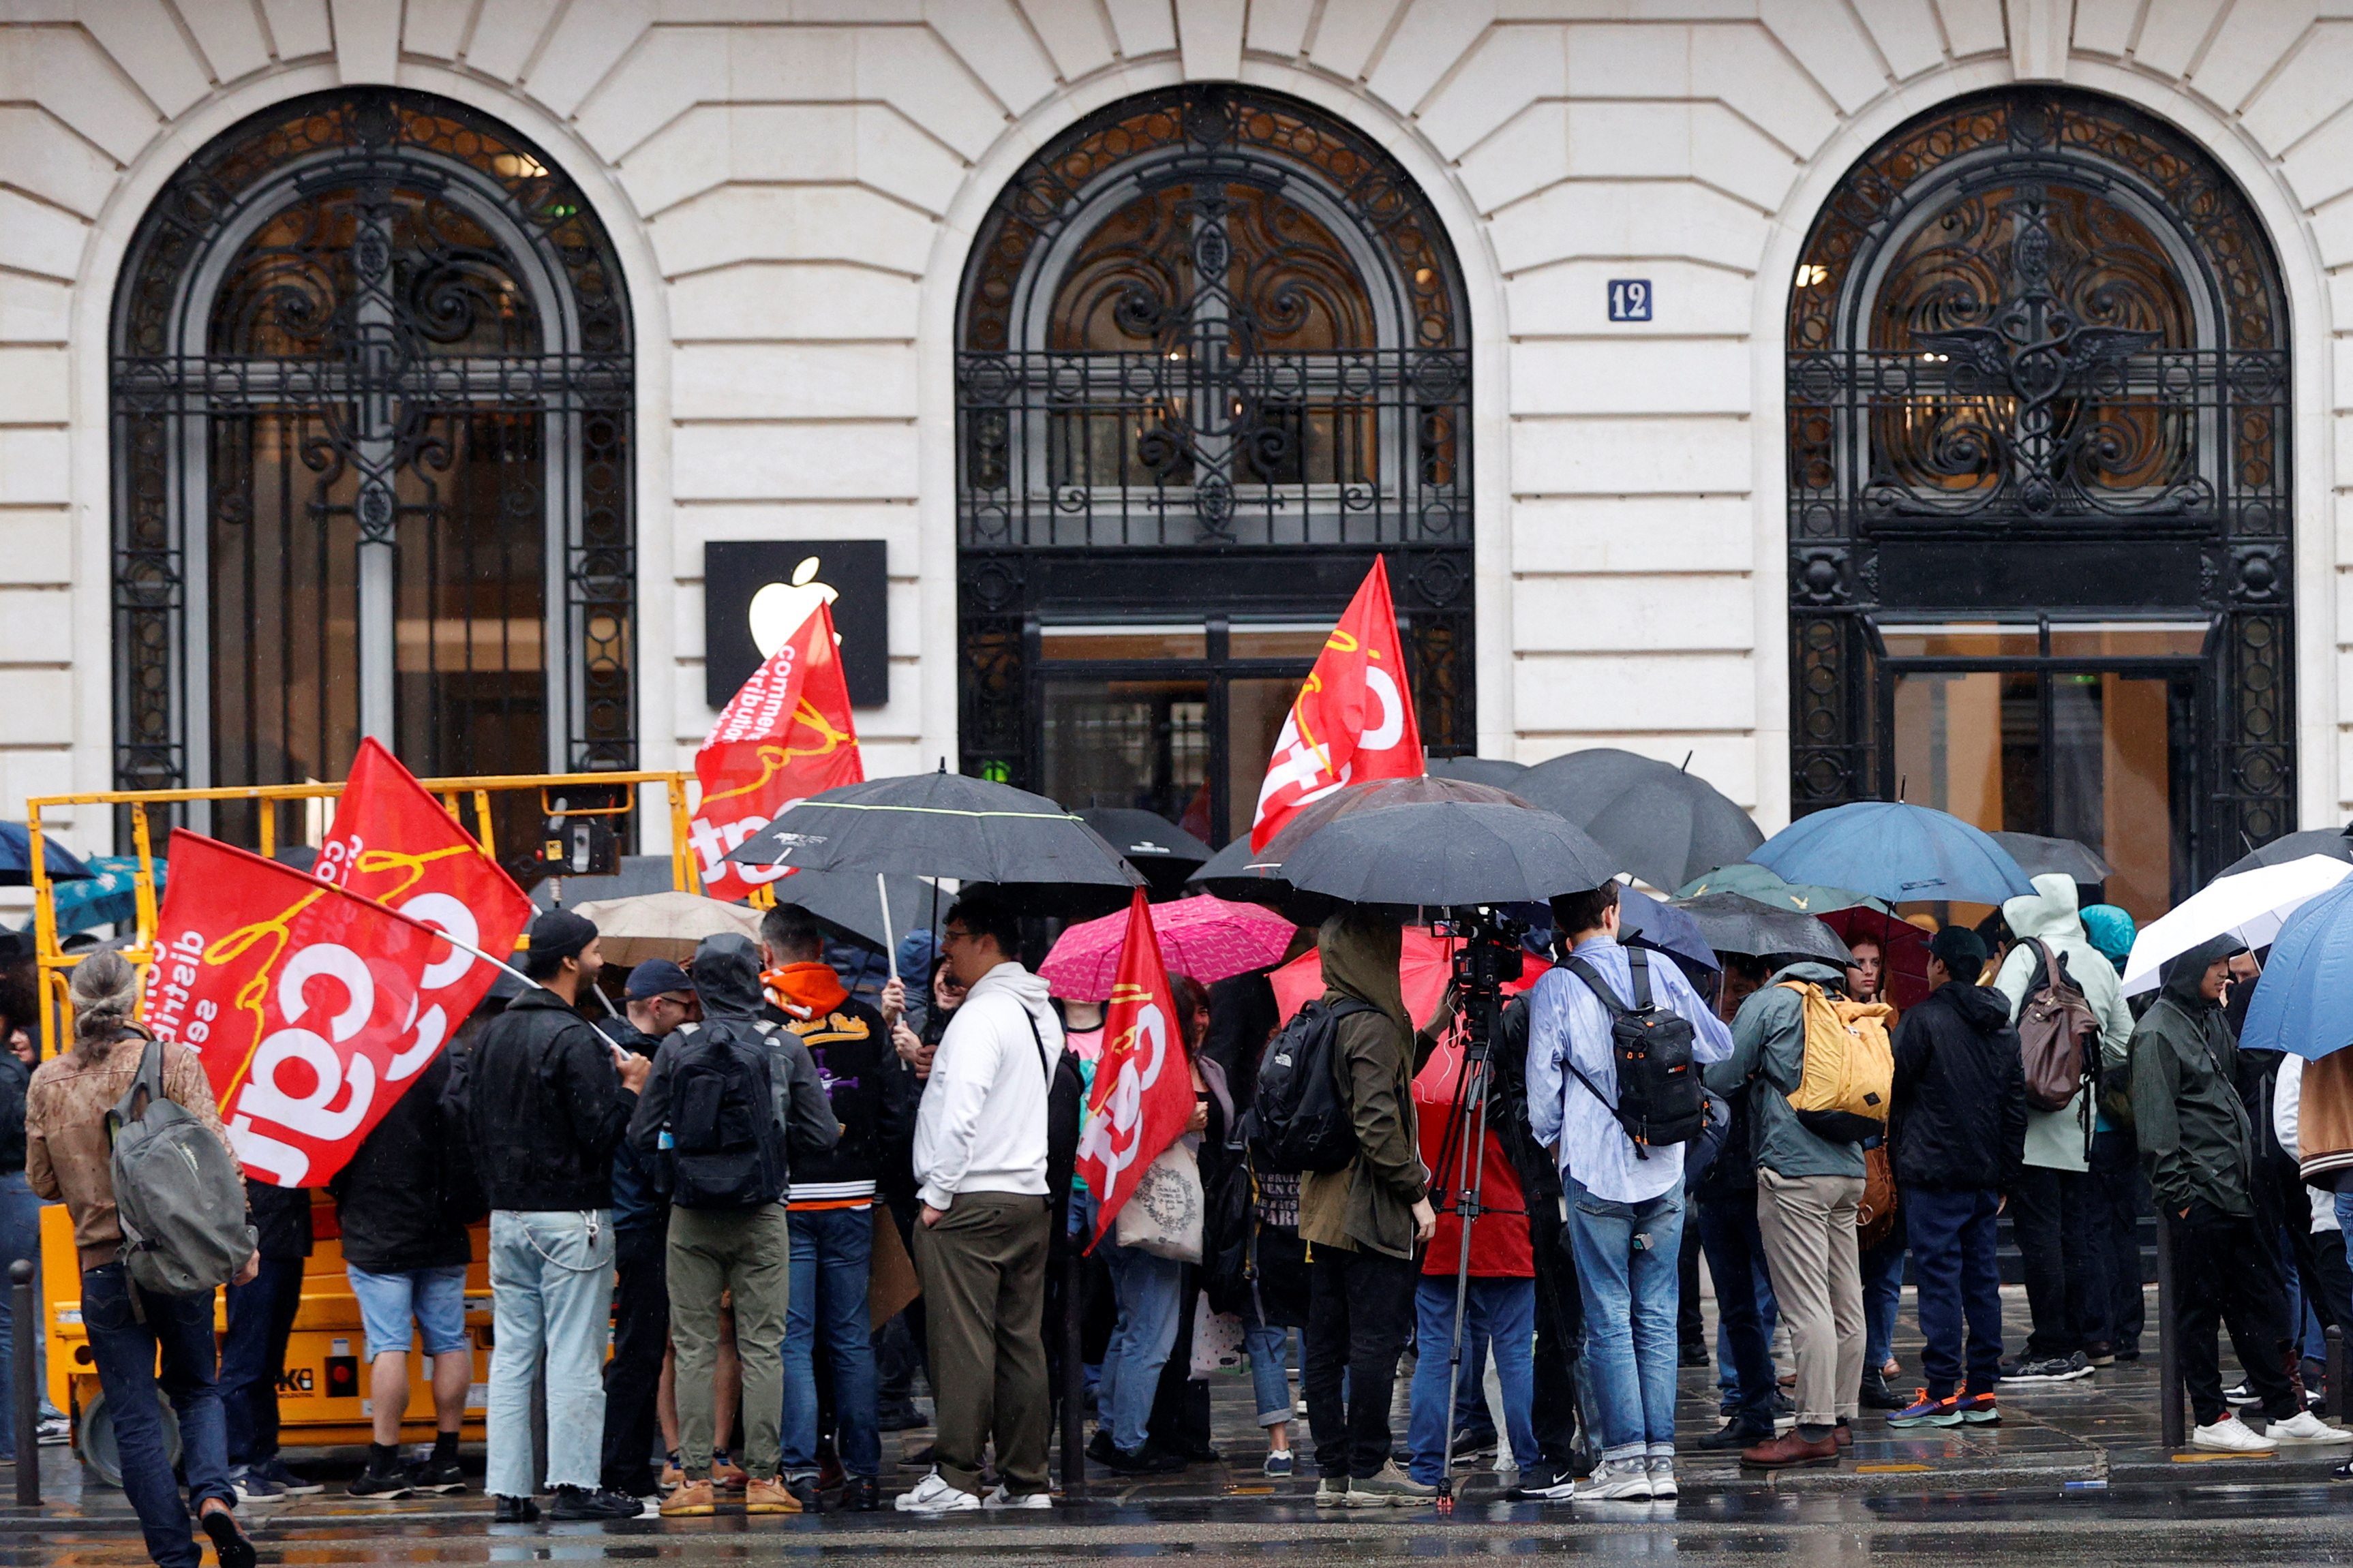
(1208, 328)
(2037, 364)
(373, 402)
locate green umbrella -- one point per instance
(1762, 886)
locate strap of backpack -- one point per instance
(149, 1077)
(1600, 987)
(1640, 960)
(1640, 1153)
(1043, 1065)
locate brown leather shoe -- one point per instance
(1842, 1435)
(1788, 1451)
(768, 1495)
(694, 1497)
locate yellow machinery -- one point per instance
(324, 1398)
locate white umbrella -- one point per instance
(669, 925)
(2251, 907)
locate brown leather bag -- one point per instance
(2057, 1034)
(1875, 1216)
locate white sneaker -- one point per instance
(1616, 1481)
(1332, 1491)
(1662, 1469)
(2231, 1435)
(1000, 1497)
(2304, 1427)
(933, 1494)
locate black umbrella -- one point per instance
(2337, 843)
(1232, 871)
(1663, 823)
(1731, 923)
(1448, 853)
(850, 902)
(1164, 852)
(1256, 877)
(2036, 855)
(1491, 771)
(945, 824)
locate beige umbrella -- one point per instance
(664, 925)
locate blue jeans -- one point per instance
(260, 1314)
(1268, 1345)
(1882, 1290)
(1626, 1255)
(1959, 1283)
(1149, 1290)
(1500, 1313)
(20, 1236)
(181, 1329)
(1736, 1255)
(833, 1254)
(551, 1301)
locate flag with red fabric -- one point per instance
(785, 736)
(1353, 720)
(1142, 1093)
(312, 1008)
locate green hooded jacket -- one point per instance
(1369, 1202)
(2186, 1112)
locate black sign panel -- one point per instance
(768, 584)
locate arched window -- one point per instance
(2039, 521)
(1214, 360)
(372, 407)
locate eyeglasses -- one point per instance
(952, 934)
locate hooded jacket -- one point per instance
(1959, 1115)
(544, 1106)
(1767, 1062)
(2186, 1113)
(2054, 1139)
(1369, 1202)
(981, 1127)
(727, 980)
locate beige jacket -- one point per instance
(66, 1151)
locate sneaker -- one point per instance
(1785, 1412)
(767, 1494)
(1001, 1498)
(933, 1494)
(2231, 1435)
(2099, 1353)
(381, 1485)
(54, 1430)
(231, 1545)
(1663, 1476)
(431, 1475)
(860, 1494)
(1474, 1442)
(2304, 1427)
(1547, 1486)
(1389, 1488)
(901, 1415)
(584, 1503)
(727, 1472)
(672, 1477)
(2050, 1369)
(1693, 1355)
(804, 1491)
(1332, 1491)
(288, 1482)
(1277, 1464)
(251, 1485)
(689, 1500)
(1735, 1434)
(514, 1511)
(1616, 1481)
(1979, 1409)
(2241, 1394)
(1926, 1412)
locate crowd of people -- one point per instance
(693, 1208)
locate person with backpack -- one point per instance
(69, 1154)
(2073, 1031)
(1814, 1067)
(546, 1099)
(656, 1000)
(1615, 1045)
(982, 1143)
(730, 1103)
(1957, 1132)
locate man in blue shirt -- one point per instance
(1625, 1202)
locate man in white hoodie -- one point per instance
(2051, 1208)
(980, 1244)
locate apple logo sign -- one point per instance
(779, 608)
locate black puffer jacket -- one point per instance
(1959, 1119)
(394, 1199)
(544, 1106)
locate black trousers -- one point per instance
(1691, 1329)
(633, 1377)
(1560, 1340)
(2050, 1215)
(2119, 1198)
(2224, 1273)
(1360, 1312)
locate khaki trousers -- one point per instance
(1813, 1253)
(984, 1271)
(748, 1253)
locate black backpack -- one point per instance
(1661, 1100)
(727, 1147)
(1299, 1118)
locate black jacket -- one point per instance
(544, 1108)
(856, 1065)
(637, 1203)
(281, 1220)
(16, 1078)
(1958, 1118)
(727, 980)
(401, 1200)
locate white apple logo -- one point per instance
(778, 609)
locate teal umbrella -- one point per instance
(107, 895)
(1766, 886)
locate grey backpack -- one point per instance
(177, 1191)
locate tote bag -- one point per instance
(1163, 1215)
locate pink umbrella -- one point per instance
(1206, 938)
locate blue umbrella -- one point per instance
(1665, 927)
(106, 894)
(17, 857)
(1897, 852)
(2303, 1003)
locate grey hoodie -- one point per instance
(2054, 1139)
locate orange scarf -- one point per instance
(804, 991)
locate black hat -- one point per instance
(1960, 950)
(657, 978)
(560, 933)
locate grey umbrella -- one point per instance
(2036, 855)
(1448, 853)
(850, 902)
(1663, 823)
(1256, 877)
(1731, 923)
(1491, 771)
(1164, 852)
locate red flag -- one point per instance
(310, 1009)
(1353, 718)
(1143, 1094)
(787, 735)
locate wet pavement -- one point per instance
(2074, 1471)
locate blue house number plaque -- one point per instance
(1629, 298)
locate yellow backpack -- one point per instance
(1850, 1071)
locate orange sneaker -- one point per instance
(767, 1495)
(692, 1498)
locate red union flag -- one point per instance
(1353, 718)
(1143, 1094)
(787, 735)
(310, 1009)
